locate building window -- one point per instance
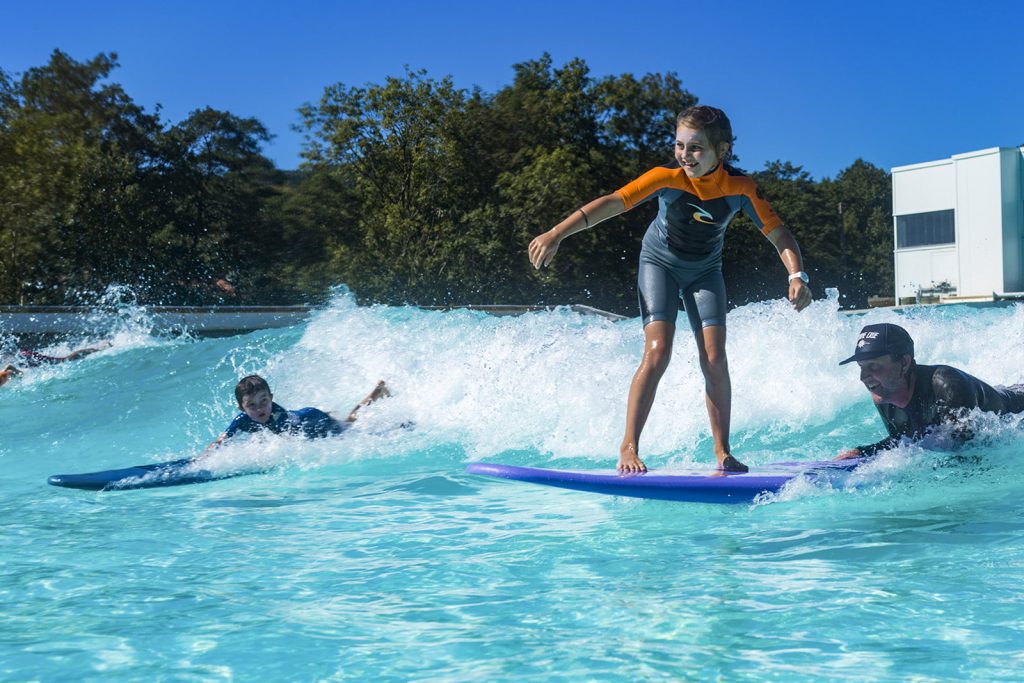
(925, 229)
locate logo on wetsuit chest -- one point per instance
(701, 215)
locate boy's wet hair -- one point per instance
(712, 122)
(247, 386)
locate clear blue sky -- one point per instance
(816, 83)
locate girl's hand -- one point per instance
(543, 249)
(799, 294)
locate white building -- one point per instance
(959, 225)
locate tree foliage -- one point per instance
(95, 191)
(411, 191)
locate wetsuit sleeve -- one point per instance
(241, 423)
(870, 450)
(886, 443)
(644, 187)
(957, 392)
(1013, 397)
(757, 208)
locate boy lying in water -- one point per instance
(259, 412)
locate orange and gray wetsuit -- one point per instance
(681, 258)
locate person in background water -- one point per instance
(681, 262)
(34, 359)
(8, 373)
(259, 412)
(913, 398)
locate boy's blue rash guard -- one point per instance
(310, 422)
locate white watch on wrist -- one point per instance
(802, 275)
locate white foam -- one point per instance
(556, 381)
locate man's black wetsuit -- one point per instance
(940, 394)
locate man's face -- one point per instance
(883, 376)
(258, 406)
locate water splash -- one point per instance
(555, 382)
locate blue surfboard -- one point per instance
(170, 473)
(691, 486)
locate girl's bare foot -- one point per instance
(629, 461)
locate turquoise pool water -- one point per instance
(374, 557)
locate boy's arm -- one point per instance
(213, 446)
(379, 391)
(228, 433)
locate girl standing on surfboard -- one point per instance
(681, 260)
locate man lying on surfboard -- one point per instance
(913, 398)
(259, 412)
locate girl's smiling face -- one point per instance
(695, 153)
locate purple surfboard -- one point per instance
(691, 486)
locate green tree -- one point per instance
(751, 264)
(860, 199)
(412, 190)
(213, 183)
(627, 129)
(638, 118)
(844, 227)
(396, 142)
(69, 203)
(452, 185)
(94, 191)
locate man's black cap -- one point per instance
(881, 339)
